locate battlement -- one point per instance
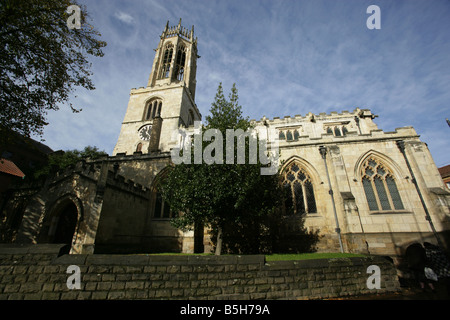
(311, 117)
(83, 168)
(120, 182)
(343, 126)
(92, 170)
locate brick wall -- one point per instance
(36, 272)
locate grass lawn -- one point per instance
(309, 256)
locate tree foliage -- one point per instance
(42, 61)
(62, 160)
(223, 196)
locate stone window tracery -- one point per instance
(289, 135)
(180, 61)
(380, 187)
(162, 208)
(298, 191)
(337, 131)
(167, 60)
(152, 109)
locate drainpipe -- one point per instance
(323, 152)
(401, 146)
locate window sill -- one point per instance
(303, 215)
(312, 215)
(390, 212)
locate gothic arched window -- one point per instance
(296, 135)
(161, 208)
(337, 132)
(153, 109)
(380, 187)
(344, 130)
(167, 60)
(179, 63)
(158, 113)
(289, 135)
(282, 136)
(298, 191)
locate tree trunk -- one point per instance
(198, 238)
(219, 242)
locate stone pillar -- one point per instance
(155, 135)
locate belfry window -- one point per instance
(380, 187)
(179, 63)
(167, 60)
(298, 191)
(152, 109)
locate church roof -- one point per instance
(8, 167)
(444, 171)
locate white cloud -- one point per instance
(124, 17)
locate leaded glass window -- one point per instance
(299, 191)
(392, 187)
(382, 195)
(310, 200)
(370, 195)
(380, 187)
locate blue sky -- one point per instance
(287, 57)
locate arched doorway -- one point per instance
(64, 223)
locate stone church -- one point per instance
(363, 189)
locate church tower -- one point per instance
(155, 112)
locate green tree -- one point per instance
(225, 197)
(62, 160)
(42, 61)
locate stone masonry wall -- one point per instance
(36, 272)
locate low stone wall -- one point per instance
(36, 272)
